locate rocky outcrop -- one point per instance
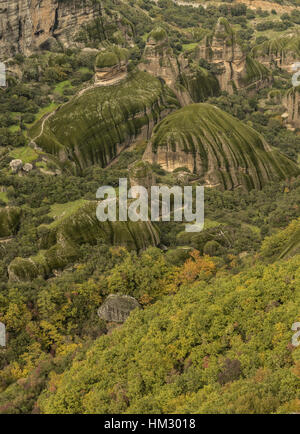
(27, 167)
(282, 52)
(16, 165)
(220, 149)
(199, 83)
(160, 61)
(60, 243)
(96, 126)
(26, 25)
(111, 66)
(158, 58)
(140, 173)
(291, 101)
(117, 308)
(235, 69)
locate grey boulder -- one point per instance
(117, 308)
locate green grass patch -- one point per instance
(208, 224)
(14, 128)
(25, 153)
(35, 126)
(60, 87)
(188, 47)
(3, 196)
(60, 211)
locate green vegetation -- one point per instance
(222, 150)
(91, 128)
(218, 347)
(200, 83)
(283, 244)
(112, 56)
(60, 240)
(255, 71)
(158, 34)
(283, 46)
(26, 154)
(214, 333)
(60, 211)
(10, 218)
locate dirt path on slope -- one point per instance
(78, 95)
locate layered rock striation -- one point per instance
(60, 242)
(97, 125)
(222, 150)
(27, 25)
(236, 70)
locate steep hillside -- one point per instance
(282, 51)
(284, 244)
(223, 151)
(222, 347)
(291, 100)
(158, 57)
(236, 69)
(60, 241)
(97, 125)
(199, 82)
(190, 82)
(49, 24)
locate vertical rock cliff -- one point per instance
(236, 70)
(292, 103)
(29, 24)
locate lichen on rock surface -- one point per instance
(222, 150)
(96, 126)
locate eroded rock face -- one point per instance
(113, 75)
(27, 25)
(292, 103)
(102, 122)
(111, 66)
(159, 59)
(279, 52)
(236, 70)
(117, 308)
(140, 173)
(16, 165)
(220, 149)
(27, 167)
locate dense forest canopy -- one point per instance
(158, 93)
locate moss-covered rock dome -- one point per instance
(222, 150)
